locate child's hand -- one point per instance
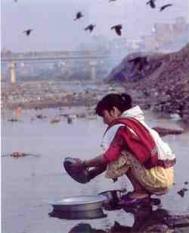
(76, 169)
(77, 165)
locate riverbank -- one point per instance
(56, 94)
(48, 94)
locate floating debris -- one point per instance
(18, 112)
(69, 120)
(177, 220)
(18, 154)
(40, 116)
(182, 192)
(166, 131)
(13, 120)
(56, 120)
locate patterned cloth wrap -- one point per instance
(156, 180)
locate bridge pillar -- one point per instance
(12, 69)
(93, 70)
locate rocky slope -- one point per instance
(160, 81)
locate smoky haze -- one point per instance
(54, 28)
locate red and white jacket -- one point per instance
(130, 132)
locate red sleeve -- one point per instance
(116, 146)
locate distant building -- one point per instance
(167, 37)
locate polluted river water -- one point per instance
(29, 183)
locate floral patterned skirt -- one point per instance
(156, 180)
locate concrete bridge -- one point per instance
(93, 58)
(50, 56)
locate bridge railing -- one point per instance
(53, 55)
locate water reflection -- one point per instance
(92, 214)
(146, 219)
(85, 228)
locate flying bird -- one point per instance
(28, 31)
(90, 27)
(78, 15)
(165, 6)
(112, 0)
(151, 3)
(117, 28)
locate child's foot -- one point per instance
(134, 198)
(138, 195)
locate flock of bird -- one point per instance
(117, 28)
(152, 4)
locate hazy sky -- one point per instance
(54, 28)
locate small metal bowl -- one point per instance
(80, 174)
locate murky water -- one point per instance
(28, 183)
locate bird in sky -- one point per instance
(117, 29)
(151, 3)
(78, 15)
(90, 27)
(112, 0)
(165, 6)
(28, 31)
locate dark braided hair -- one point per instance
(121, 101)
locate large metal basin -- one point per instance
(79, 203)
(91, 214)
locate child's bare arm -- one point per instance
(95, 162)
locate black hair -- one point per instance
(122, 101)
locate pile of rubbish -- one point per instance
(161, 81)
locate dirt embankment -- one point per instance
(161, 81)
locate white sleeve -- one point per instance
(109, 136)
